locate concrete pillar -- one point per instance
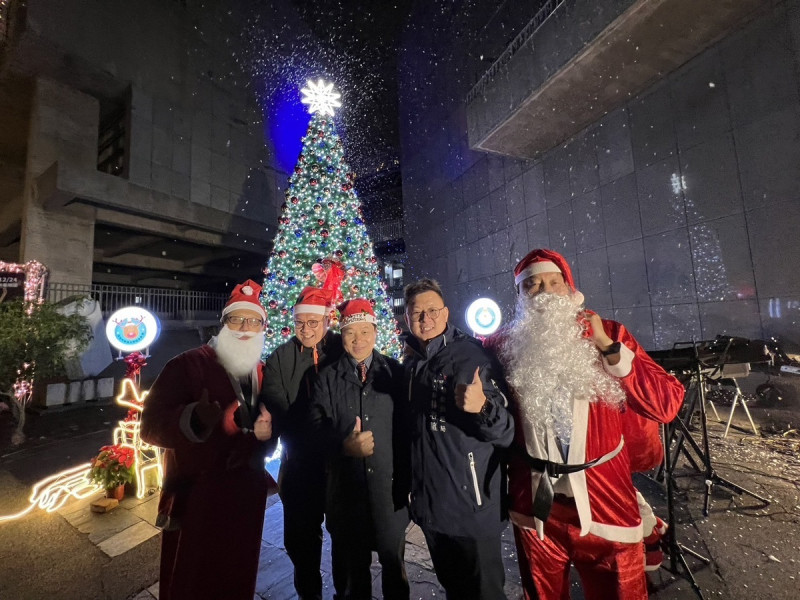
(63, 127)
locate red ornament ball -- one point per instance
(313, 182)
(273, 304)
(294, 200)
(324, 233)
(339, 253)
(285, 331)
(343, 222)
(354, 289)
(282, 254)
(320, 222)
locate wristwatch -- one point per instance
(612, 349)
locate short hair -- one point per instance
(421, 286)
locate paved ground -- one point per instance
(73, 554)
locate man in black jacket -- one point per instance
(286, 392)
(357, 410)
(459, 428)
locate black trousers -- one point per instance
(303, 513)
(468, 568)
(351, 557)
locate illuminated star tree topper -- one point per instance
(321, 97)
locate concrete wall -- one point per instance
(678, 210)
(63, 123)
(195, 129)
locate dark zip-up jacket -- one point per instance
(364, 494)
(286, 393)
(457, 458)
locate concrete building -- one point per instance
(132, 149)
(655, 143)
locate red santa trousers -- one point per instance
(609, 570)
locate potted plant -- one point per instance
(112, 469)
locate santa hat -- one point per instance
(245, 296)
(357, 310)
(314, 300)
(543, 261)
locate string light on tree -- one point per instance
(321, 232)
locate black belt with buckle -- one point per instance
(544, 496)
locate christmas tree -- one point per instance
(321, 232)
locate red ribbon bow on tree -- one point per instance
(330, 272)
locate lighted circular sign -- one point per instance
(132, 328)
(483, 316)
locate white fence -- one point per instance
(164, 303)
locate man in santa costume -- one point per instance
(289, 374)
(573, 377)
(202, 409)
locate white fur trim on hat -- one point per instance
(360, 317)
(315, 309)
(245, 305)
(543, 266)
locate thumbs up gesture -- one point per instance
(469, 396)
(262, 428)
(358, 444)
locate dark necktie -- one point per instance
(362, 371)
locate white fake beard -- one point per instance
(550, 363)
(237, 355)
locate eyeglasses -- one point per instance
(251, 322)
(431, 313)
(313, 324)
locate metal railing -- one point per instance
(385, 230)
(164, 303)
(518, 42)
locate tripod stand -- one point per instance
(675, 549)
(696, 392)
(677, 434)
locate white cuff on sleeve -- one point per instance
(185, 425)
(625, 364)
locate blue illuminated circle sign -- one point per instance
(131, 329)
(483, 316)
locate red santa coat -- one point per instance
(604, 494)
(215, 489)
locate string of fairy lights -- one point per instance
(321, 221)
